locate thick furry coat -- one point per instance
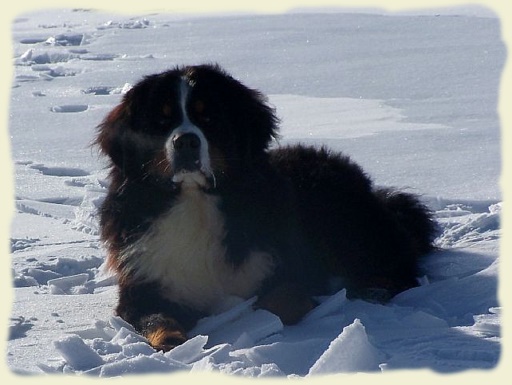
(200, 213)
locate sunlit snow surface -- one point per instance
(411, 98)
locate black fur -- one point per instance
(314, 211)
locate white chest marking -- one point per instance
(184, 253)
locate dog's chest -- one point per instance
(184, 252)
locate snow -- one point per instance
(349, 352)
(410, 97)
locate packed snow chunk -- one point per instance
(77, 354)
(69, 285)
(21, 280)
(122, 90)
(290, 357)
(488, 323)
(47, 57)
(101, 330)
(349, 352)
(455, 300)
(103, 347)
(86, 214)
(420, 319)
(26, 56)
(130, 24)
(189, 351)
(125, 336)
(22, 243)
(156, 363)
(258, 325)
(270, 370)
(206, 359)
(205, 364)
(496, 208)
(56, 71)
(67, 39)
(211, 323)
(471, 228)
(118, 323)
(42, 276)
(239, 368)
(137, 349)
(331, 305)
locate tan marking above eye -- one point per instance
(200, 111)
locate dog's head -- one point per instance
(188, 125)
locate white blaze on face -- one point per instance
(186, 127)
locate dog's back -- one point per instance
(372, 238)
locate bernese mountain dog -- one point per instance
(200, 212)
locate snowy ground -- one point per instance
(411, 98)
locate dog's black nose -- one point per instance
(186, 152)
(186, 142)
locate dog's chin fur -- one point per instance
(278, 224)
(193, 179)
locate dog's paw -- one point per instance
(163, 333)
(164, 339)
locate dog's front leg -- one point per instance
(288, 300)
(163, 323)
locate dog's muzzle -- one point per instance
(188, 155)
(186, 152)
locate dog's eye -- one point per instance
(161, 126)
(200, 113)
(168, 115)
(166, 119)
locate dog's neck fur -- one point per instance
(184, 253)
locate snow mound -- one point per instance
(349, 352)
(77, 354)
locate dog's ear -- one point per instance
(256, 119)
(253, 118)
(259, 120)
(112, 130)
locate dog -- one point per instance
(203, 210)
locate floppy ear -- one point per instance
(259, 119)
(112, 130)
(253, 114)
(253, 118)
